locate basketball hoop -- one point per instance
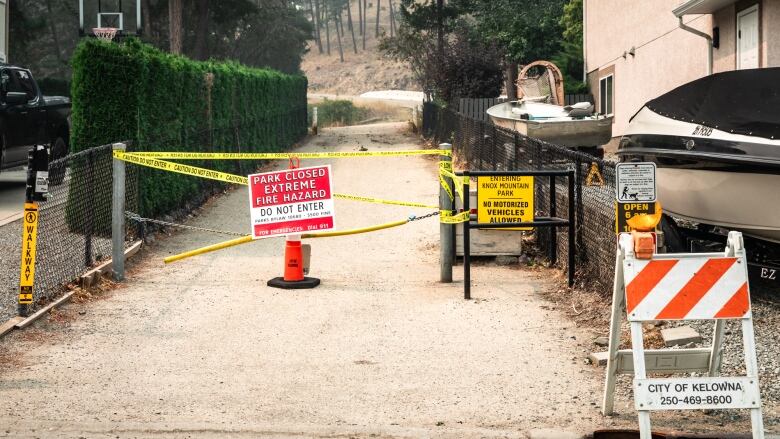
(105, 33)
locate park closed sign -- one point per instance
(505, 199)
(291, 201)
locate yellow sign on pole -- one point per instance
(29, 237)
(505, 199)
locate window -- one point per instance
(19, 81)
(606, 96)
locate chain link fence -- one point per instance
(74, 227)
(480, 145)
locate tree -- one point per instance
(175, 9)
(459, 64)
(570, 58)
(527, 30)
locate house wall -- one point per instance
(771, 33)
(665, 55)
(724, 58)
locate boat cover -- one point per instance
(740, 102)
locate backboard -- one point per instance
(124, 15)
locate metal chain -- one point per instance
(140, 219)
(417, 218)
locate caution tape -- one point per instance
(237, 179)
(445, 216)
(445, 170)
(284, 155)
(381, 201)
(179, 168)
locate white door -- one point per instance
(747, 38)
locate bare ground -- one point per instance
(202, 348)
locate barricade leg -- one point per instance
(751, 369)
(716, 356)
(638, 348)
(608, 403)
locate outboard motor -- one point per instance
(580, 109)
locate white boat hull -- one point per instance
(732, 200)
(554, 127)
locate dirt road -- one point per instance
(202, 348)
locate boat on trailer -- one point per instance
(716, 144)
(573, 126)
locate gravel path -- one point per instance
(203, 348)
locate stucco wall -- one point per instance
(665, 55)
(725, 57)
(771, 33)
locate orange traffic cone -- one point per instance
(293, 268)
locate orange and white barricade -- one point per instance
(686, 286)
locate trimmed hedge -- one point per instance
(163, 102)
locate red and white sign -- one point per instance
(689, 288)
(291, 201)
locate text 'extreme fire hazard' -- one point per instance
(291, 201)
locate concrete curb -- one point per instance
(29, 320)
(86, 279)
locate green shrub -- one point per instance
(164, 102)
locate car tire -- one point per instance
(59, 149)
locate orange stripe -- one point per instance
(737, 306)
(701, 282)
(646, 280)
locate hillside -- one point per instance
(365, 71)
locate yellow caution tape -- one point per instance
(447, 217)
(179, 168)
(237, 179)
(445, 170)
(284, 155)
(381, 201)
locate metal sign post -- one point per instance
(37, 190)
(696, 286)
(515, 220)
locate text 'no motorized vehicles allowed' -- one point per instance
(506, 199)
(291, 201)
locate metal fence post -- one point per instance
(446, 235)
(118, 215)
(314, 121)
(89, 227)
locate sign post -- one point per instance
(37, 190)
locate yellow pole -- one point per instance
(354, 231)
(211, 248)
(248, 238)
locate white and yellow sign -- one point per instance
(29, 238)
(505, 199)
